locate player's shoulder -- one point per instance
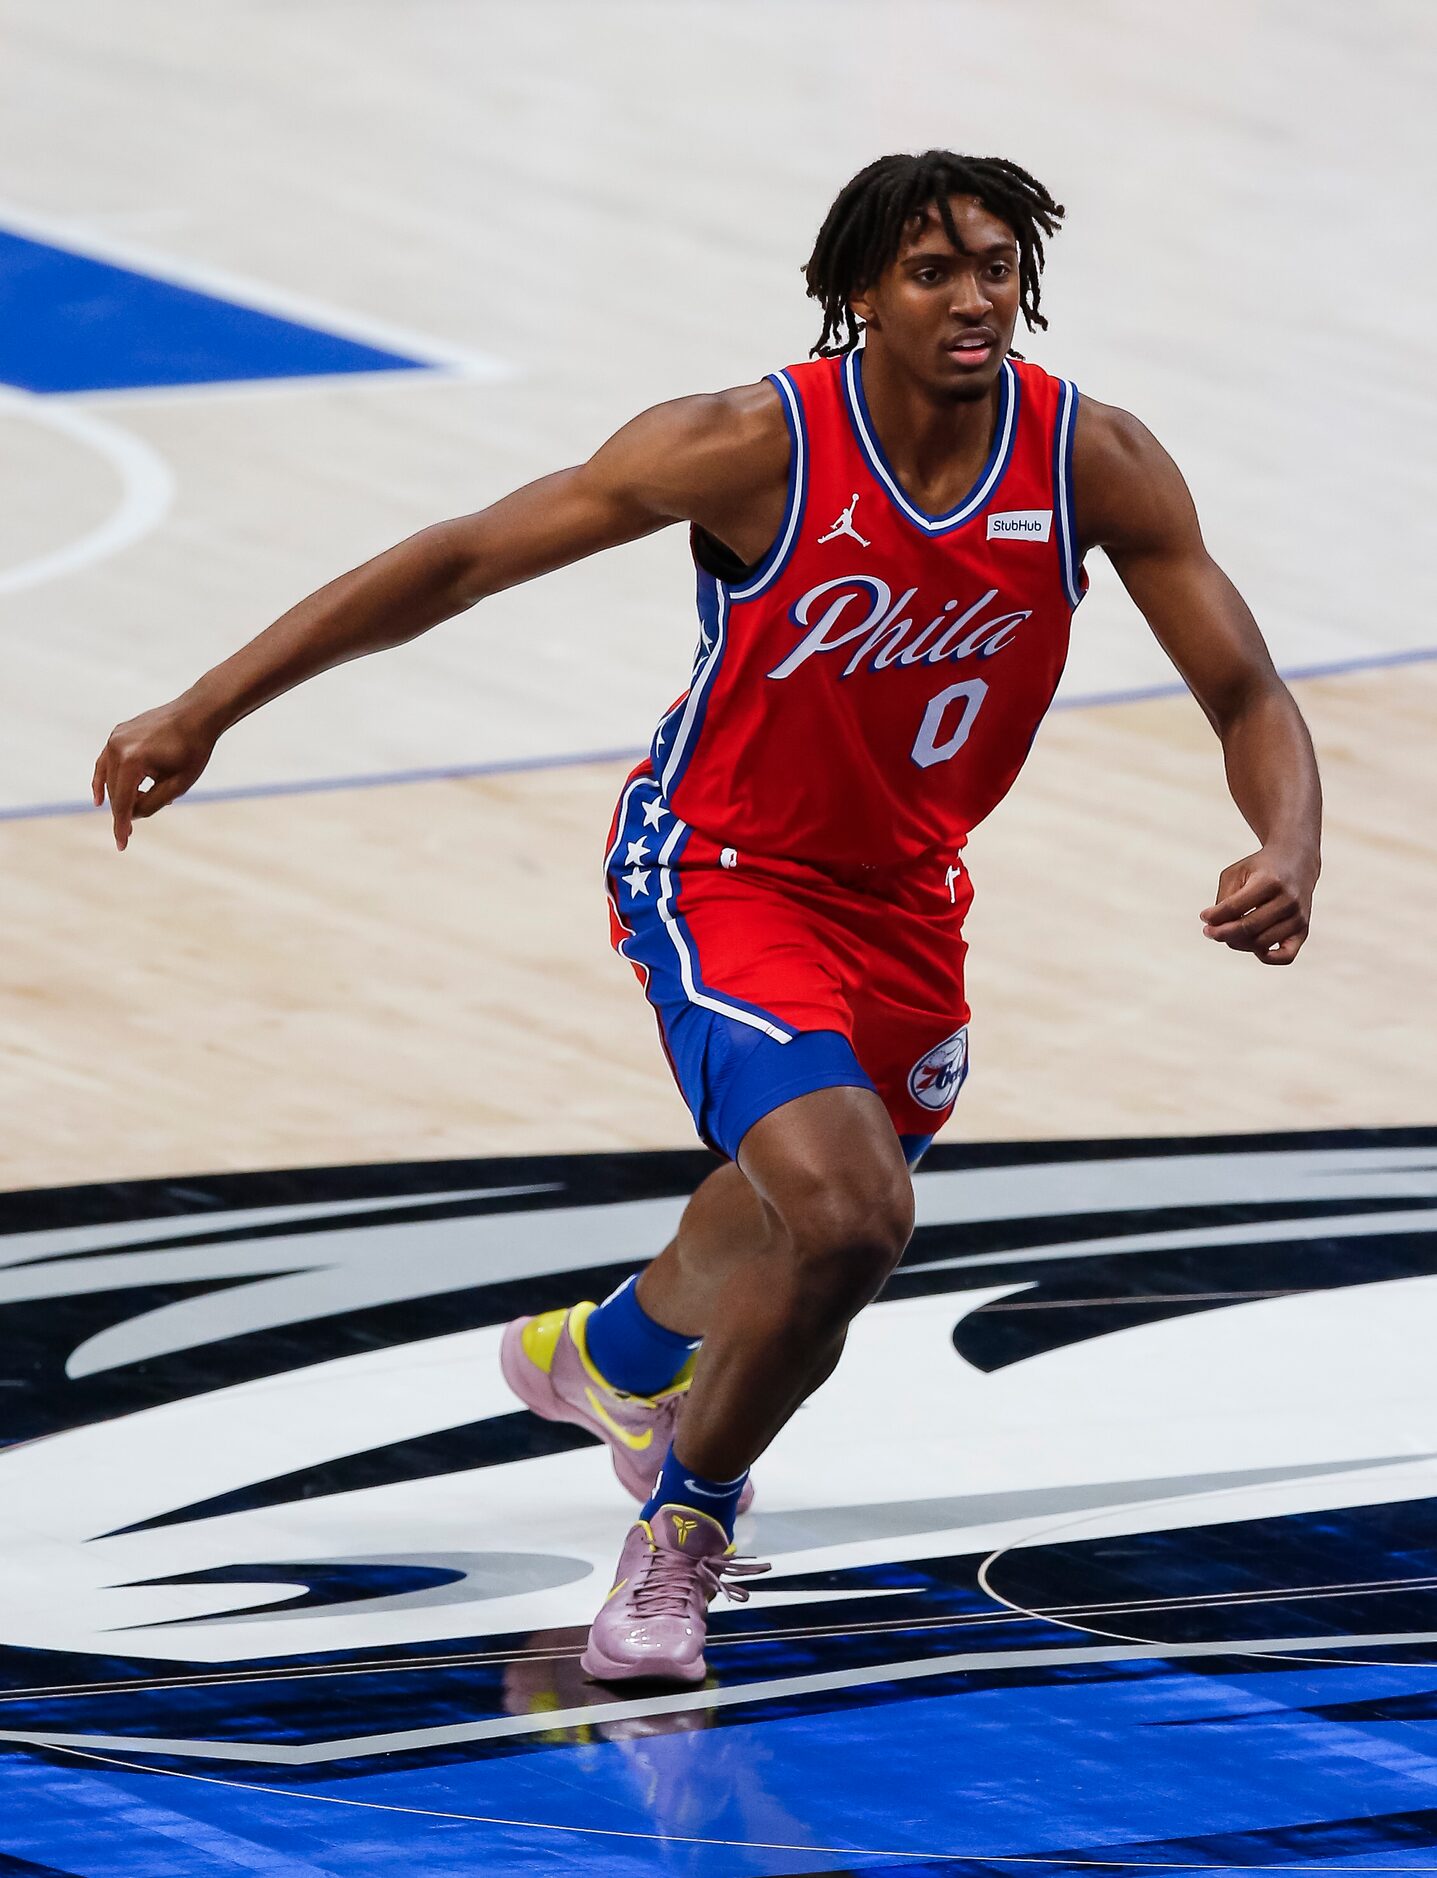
(742, 426)
(1111, 442)
(1107, 441)
(690, 457)
(742, 413)
(1125, 485)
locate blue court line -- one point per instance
(325, 785)
(511, 766)
(1331, 668)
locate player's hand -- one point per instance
(1263, 906)
(167, 749)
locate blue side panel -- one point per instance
(70, 323)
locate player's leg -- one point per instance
(829, 1170)
(620, 1369)
(737, 1075)
(724, 1226)
(830, 1175)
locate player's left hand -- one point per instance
(1263, 906)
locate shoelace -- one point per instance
(668, 1581)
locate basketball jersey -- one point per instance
(868, 692)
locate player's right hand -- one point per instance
(166, 749)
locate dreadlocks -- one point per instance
(864, 229)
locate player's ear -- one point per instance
(862, 307)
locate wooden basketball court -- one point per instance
(290, 282)
(577, 211)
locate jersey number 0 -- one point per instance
(928, 747)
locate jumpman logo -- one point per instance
(844, 526)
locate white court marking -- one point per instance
(147, 489)
(687, 1701)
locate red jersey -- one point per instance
(868, 693)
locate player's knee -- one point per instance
(847, 1238)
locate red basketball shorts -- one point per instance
(773, 978)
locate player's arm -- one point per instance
(1132, 502)
(719, 459)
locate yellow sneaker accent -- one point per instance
(578, 1319)
(683, 1527)
(680, 1382)
(541, 1334)
(630, 1440)
(617, 1589)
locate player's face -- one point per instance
(949, 316)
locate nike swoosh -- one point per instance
(705, 1491)
(630, 1440)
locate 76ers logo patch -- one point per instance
(935, 1079)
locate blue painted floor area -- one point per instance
(1165, 1766)
(1031, 1771)
(1243, 1679)
(71, 323)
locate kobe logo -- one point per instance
(844, 526)
(682, 1528)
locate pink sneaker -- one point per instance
(546, 1363)
(652, 1625)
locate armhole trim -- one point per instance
(774, 562)
(1069, 562)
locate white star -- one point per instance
(637, 880)
(638, 852)
(654, 813)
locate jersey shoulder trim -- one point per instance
(1075, 581)
(716, 597)
(761, 577)
(1052, 405)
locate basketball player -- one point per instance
(889, 543)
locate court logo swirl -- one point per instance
(255, 1432)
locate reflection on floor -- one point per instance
(1112, 1542)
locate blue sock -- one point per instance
(679, 1485)
(629, 1349)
